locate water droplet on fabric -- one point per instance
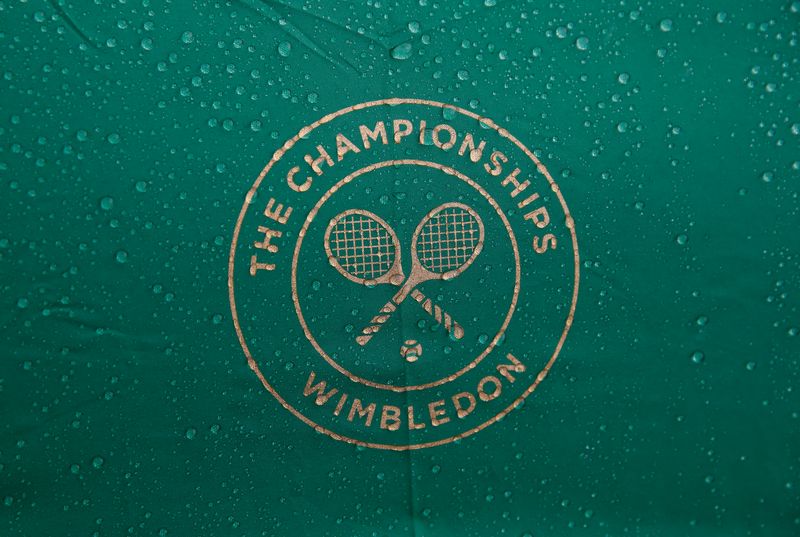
(402, 51)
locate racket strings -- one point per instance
(362, 246)
(447, 240)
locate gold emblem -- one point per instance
(383, 202)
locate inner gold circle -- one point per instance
(313, 213)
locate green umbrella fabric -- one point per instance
(399, 268)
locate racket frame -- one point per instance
(393, 276)
(419, 274)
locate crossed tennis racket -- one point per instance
(363, 248)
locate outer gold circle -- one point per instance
(312, 214)
(326, 119)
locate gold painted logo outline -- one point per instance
(392, 102)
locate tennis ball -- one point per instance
(411, 350)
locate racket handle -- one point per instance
(376, 323)
(450, 325)
(441, 316)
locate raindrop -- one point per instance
(402, 51)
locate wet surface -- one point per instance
(131, 132)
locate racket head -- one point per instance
(447, 240)
(363, 248)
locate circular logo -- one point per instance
(403, 273)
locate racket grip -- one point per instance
(376, 323)
(442, 317)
